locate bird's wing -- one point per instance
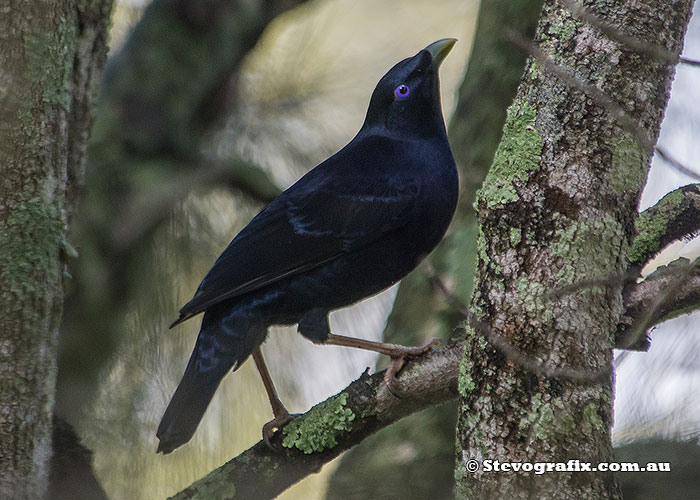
(312, 223)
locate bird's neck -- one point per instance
(428, 130)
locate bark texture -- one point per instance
(51, 54)
(558, 208)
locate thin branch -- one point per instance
(690, 62)
(626, 121)
(673, 162)
(541, 369)
(667, 293)
(676, 216)
(606, 282)
(425, 381)
(617, 112)
(149, 207)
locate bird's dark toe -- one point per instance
(270, 429)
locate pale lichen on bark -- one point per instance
(37, 98)
(567, 177)
(675, 216)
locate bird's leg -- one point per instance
(397, 353)
(282, 416)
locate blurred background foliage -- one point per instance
(209, 108)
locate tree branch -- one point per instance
(148, 207)
(690, 62)
(424, 382)
(668, 292)
(673, 162)
(365, 405)
(675, 216)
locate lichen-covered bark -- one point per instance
(557, 208)
(675, 216)
(49, 53)
(670, 291)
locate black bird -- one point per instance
(351, 227)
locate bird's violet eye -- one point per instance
(402, 91)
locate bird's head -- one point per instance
(407, 99)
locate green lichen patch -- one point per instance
(515, 236)
(629, 165)
(587, 247)
(465, 383)
(473, 341)
(320, 427)
(216, 484)
(591, 419)
(532, 69)
(517, 156)
(481, 252)
(533, 296)
(547, 419)
(563, 28)
(50, 62)
(29, 246)
(652, 225)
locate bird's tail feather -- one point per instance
(190, 401)
(224, 343)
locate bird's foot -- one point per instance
(398, 355)
(280, 420)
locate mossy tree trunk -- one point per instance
(52, 55)
(558, 208)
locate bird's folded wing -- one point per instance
(305, 228)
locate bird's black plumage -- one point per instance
(349, 228)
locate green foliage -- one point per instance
(319, 428)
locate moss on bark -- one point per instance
(38, 100)
(568, 178)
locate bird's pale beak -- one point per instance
(440, 49)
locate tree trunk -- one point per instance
(558, 208)
(52, 54)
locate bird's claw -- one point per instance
(398, 359)
(269, 429)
